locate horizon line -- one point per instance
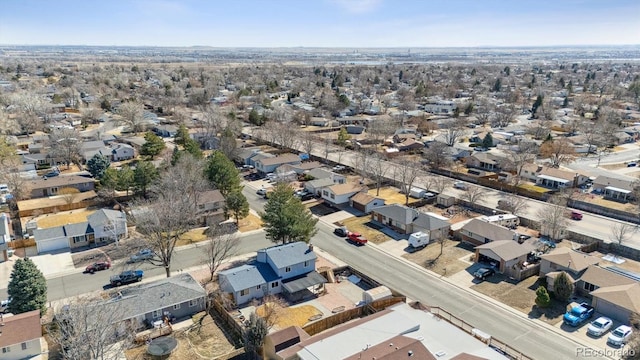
(328, 47)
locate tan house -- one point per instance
(211, 207)
(478, 232)
(341, 193)
(565, 259)
(268, 165)
(365, 202)
(596, 277)
(21, 336)
(510, 256)
(618, 302)
(559, 179)
(51, 186)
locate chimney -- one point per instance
(310, 247)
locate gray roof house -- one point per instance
(614, 188)
(478, 232)
(406, 220)
(287, 269)
(267, 165)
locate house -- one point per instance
(243, 155)
(440, 107)
(287, 269)
(102, 226)
(365, 202)
(165, 131)
(211, 205)
(121, 152)
(559, 179)
(509, 255)
(596, 277)
(530, 172)
(259, 156)
(305, 166)
(406, 220)
(478, 232)
(50, 186)
(614, 188)
(398, 332)
(268, 165)
(324, 173)
(410, 145)
(21, 336)
(340, 193)
(619, 302)
(483, 161)
(572, 262)
(316, 186)
(143, 306)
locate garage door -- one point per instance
(612, 311)
(358, 206)
(52, 245)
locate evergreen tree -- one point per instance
(27, 288)
(153, 145)
(125, 179)
(487, 142)
(237, 204)
(193, 147)
(285, 217)
(97, 165)
(144, 174)
(182, 136)
(536, 105)
(497, 86)
(562, 287)
(255, 118)
(343, 136)
(222, 173)
(542, 297)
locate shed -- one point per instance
(380, 292)
(445, 200)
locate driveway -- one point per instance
(52, 264)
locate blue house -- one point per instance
(288, 269)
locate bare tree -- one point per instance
(378, 166)
(437, 154)
(513, 204)
(361, 162)
(220, 247)
(91, 114)
(440, 183)
(131, 116)
(474, 194)
(8, 125)
(503, 115)
(408, 172)
(621, 232)
(69, 194)
(308, 141)
(65, 144)
(518, 158)
(454, 130)
(558, 151)
(326, 148)
(553, 218)
(92, 328)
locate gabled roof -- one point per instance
(601, 277)
(406, 215)
(246, 276)
(485, 158)
(289, 254)
(307, 165)
(614, 182)
(570, 259)
(210, 197)
(346, 188)
(103, 216)
(507, 249)
(320, 173)
(625, 296)
(319, 183)
(557, 173)
(363, 198)
(59, 181)
(91, 145)
(282, 159)
(49, 233)
(78, 229)
(488, 230)
(20, 328)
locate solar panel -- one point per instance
(624, 272)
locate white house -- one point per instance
(365, 202)
(121, 152)
(340, 193)
(21, 336)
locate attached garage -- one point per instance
(50, 239)
(365, 202)
(617, 302)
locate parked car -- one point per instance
(460, 185)
(126, 277)
(339, 168)
(484, 273)
(356, 238)
(5, 303)
(247, 167)
(98, 266)
(341, 231)
(576, 215)
(632, 164)
(599, 326)
(620, 335)
(261, 192)
(51, 174)
(142, 255)
(578, 314)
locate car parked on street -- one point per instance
(126, 277)
(97, 266)
(261, 192)
(620, 335)
(142, 255)
(461, 185)
(341, 231)
(484, 273)
(599, 326)
(356, 238)
(339, 168)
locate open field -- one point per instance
(359, 225)
(68, 217)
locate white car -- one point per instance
(620, 335)
(338, 168)
(5, 303)
(261, 191)
(460, 185)
(599, 326)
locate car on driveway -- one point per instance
(126, 277)
(619, 336)
(97, 266)
(356, 238)
(142, 255)
(599, 326)
(484, 273)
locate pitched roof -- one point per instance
(346, 188)
(507, 249)
(103, 216)
(319, 183)
(601, 277)
(210, 197)
(320, 173)
(78, 229)
(614, 182)
(284, 338)
(307, 165)
(20, 328)
(362, 198)
(60, 181)
(626, 296)
(557, 173)
(282, 159)
(247, 276)
(488, 230)
(396, 348)
(570, 259)
(288, 254)
(406, 215)
(49, 233)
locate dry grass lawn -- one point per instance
(251, 222)
(192, 236)
(67, 217)
(359, 225)
(206, 342)
(446, 264)
(598, 200)
(391, 195)
(290, 316)
(534, 188)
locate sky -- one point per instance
(320, 23)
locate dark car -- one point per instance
(483, 273)
(341, 231)
(98, 266)
(126, 277)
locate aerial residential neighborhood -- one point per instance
(218, 192)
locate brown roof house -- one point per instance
(559, 179)
(509, 255)
(618, 302)
(572, 262)
(478, 232)
(613, 188)
(20, 336)
(51, 186)
(365, 202)
(211, 207)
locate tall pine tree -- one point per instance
(27, 288)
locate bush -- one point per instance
(542, 297)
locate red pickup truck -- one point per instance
(356, 238)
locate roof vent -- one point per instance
(410, 353)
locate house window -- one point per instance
(589, 287)
(333, 196)
(244, 292)
(306, 263)
(53, 190)
(258, 287)
(287, 269)
(176, 306)
(6, 350)
(25, 346)
(77, 239)
(274, 284)
(157, 314)
(325, 193)
(109, 227)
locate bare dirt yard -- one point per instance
(521, 296)
(391, 195)
(455, 257)
(284, 317)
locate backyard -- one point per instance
(391, 195)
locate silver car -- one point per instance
(599, 326)
(620, 335)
